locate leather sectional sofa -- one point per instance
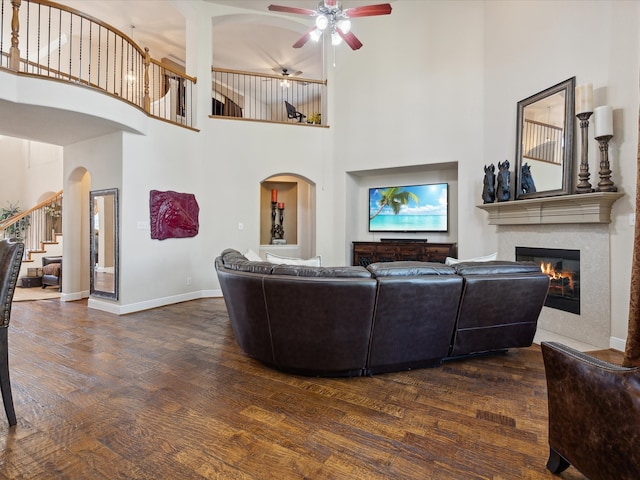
(353, 321)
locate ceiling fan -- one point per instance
(330, 15)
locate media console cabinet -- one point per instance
(365, 253)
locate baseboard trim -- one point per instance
(110, 307)
(617, 343)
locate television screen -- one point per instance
(409, 208)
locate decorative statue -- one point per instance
(526, 180)
(489, 188)
(503, 193)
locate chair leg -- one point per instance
(556, 464)
(5, 383)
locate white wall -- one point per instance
(29, 170)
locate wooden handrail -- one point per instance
(12, 220)
(267, 75)
(173, 70)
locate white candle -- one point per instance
(603, 117)
(584, 98)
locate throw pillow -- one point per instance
(252, 256)
(486, 258)
(51, 269)
(311, 262)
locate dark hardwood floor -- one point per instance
(167, 393)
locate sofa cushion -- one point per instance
(51, 269)
(234, 260)
(495, 267)
(335, 272)
(409, 269)
(280, 260)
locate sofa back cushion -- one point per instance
(409, 269)
(495, 267)
(326, 272)
(234, 260)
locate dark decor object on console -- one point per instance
(527, 184)
(594, 414)
(503, 192)
(489, 184)
(10, 261)
(390, 316)
(52, 272)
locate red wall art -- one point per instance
(173, 214)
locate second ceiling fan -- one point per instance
(331, 16)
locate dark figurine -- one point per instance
(489, 188)
(526, 179)
(503, 193)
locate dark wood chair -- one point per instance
(293, 113)
(594, 414)
(10, 261)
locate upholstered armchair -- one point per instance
(52, 272)
(594, 414)
(10, 261)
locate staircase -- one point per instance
(40, 228)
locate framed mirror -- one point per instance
(104, 243)
(544, 142)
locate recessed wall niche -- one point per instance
(357, 197)
(287, 195)
(299, 197)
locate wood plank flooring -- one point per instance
(167, 393)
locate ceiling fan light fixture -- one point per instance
(322, 22)
(315, 34)
(336, 39)
(344, 25)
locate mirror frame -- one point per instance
(116, 244)
(568, 86)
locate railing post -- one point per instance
(147, 62)
(14, 51)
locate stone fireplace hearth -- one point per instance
(574, 222)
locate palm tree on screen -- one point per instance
(394, 197)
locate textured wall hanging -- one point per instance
(173, 214)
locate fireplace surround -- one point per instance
(573, 222)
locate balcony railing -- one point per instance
(252, 96)
(42, 38)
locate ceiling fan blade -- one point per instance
(350, 39)
(368, 10)
(299, 11)
(304, 39)
(329, 3)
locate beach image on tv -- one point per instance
(413, 208)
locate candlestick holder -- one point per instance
(605, 184)
(583, 185)
(277, 230)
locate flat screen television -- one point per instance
(409, 208)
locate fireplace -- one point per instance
(563, 268)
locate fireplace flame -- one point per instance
(548, 269)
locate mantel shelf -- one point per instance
(579, 208)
